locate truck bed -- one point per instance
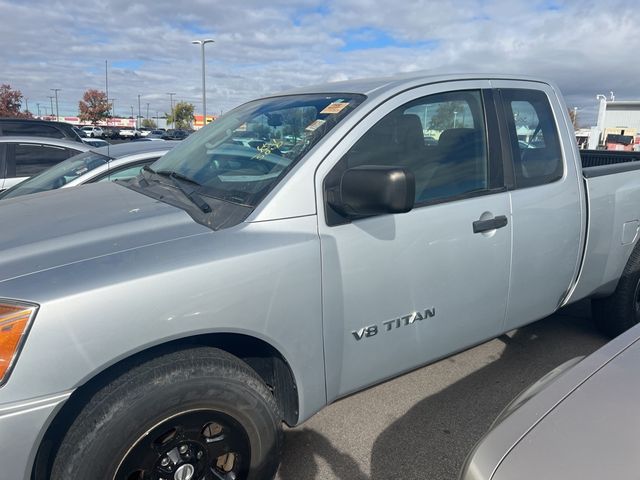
(598, 158)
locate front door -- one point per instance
(402, 290)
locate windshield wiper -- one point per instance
(175, 179)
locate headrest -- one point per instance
(457, 137)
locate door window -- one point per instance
(440, 138)
(31, 159)
(124, 173)
(537, 157)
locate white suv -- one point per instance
(130, 132)
(92, 131)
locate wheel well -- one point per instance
(267, 362)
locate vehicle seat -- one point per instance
(396, 140)
(461, 165)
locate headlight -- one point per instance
(15, 321)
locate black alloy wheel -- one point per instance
(194, 445)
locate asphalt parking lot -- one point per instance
(422, 425)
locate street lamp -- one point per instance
(202, 43)
(56, 90)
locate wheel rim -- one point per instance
(193, 445)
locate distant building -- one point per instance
(618, 125)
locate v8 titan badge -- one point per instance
(387, 326)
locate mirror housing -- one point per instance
(374, 190)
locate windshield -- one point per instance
(243, 154)
(58, 175)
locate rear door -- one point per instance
(25, 160)
(546, 199)
(402, 290)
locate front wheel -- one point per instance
(192, 415)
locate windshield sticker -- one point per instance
(268, 148)
(313, 126)
(335, 107)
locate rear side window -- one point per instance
(31, 159)
(31, 130)
(537, 157)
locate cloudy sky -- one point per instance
(587, 47)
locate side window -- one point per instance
(31, 159)
(537, 157)
(31, 129)
(123, 173)
(441, 138)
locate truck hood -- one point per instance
(50, 229)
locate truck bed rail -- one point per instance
(598, 158)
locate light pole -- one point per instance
(56, 90)
(138, 119)
(51, 99)
(202, 43)
(173, 120)
(134, 125)
(38, 105)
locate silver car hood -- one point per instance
(591, 435)
(50, 229)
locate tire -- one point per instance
(143, 420)
(621, 310)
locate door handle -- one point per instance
(480, 226)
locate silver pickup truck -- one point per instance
(166, 327)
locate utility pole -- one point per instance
(147, 111)
(51, 99)
(106, 88)
(38, 105)
(26, 101)
(56, 90)
(132, 113)
(139, 115)
(173, 123)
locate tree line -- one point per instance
(93, 108)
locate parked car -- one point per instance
(130, 132)
(37, 128)
(111, 132)
(23, 157)
(114, 162)
(166, 326)
(81, 133)
(579, 422)
(144, 131)
(175, 134)
(92, 131)
(155, 134)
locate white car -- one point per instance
(114, 162)
(92, 131)
(130, 132)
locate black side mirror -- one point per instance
(374, 190)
